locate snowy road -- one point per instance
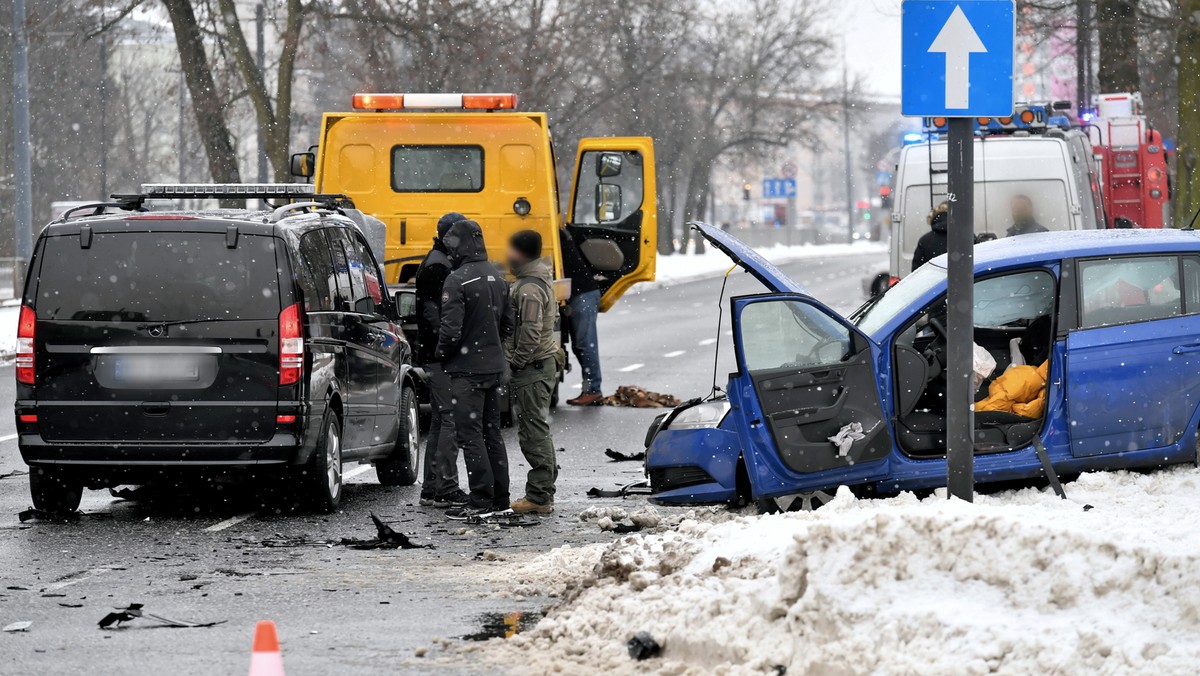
(198, 555)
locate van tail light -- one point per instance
(291, 345)
(26, 359)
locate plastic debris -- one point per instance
(134, 611)
(845, 437)
(387, 538)
(18, 626)
(618, 456)
(643, 646)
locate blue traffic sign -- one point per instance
(957, 58)
(778, 187)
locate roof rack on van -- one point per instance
(263, 191)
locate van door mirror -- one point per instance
(303, 164)
(608, 165)
(406, 305)
(608, 203)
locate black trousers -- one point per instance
(477, 431)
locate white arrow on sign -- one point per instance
(958, 40)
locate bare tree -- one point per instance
(1187, 43)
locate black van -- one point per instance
(157, 343)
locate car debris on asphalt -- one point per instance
(135, 610)
(618, 456)
(386, 539)
(632, 396)
(17, 626)
(643, 646)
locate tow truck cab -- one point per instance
(407, 159)
(1033, 153)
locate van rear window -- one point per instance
(158, 277)
(440, 168)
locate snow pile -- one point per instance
(1019, 582)
(687, 267)
(9, 313)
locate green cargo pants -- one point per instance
(531, 389)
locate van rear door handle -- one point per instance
(156, 408)
(1190, 348)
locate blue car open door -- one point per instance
(807, 382)
(813, 382)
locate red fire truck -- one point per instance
(1131, 163)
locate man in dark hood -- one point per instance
(476, 318)
(933, 243)
(440, 485)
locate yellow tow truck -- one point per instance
(406, 159)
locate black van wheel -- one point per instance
(400, 468)
(54, 491)
(322, 475)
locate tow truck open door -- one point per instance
(613, 212)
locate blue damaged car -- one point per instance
(1111, 319)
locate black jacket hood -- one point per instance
(940, 220)
(464, 243)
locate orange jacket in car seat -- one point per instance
(1020, 390)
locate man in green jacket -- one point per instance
(532, 355)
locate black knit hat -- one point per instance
(444, 223)
(528, 243)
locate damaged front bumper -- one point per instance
(693, 465)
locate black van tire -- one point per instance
(54, 491)
(400, 468)
(321, 488)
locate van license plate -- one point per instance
(156, 368)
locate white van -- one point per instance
(1050, 165)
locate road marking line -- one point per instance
(8, 437)
(361, 469)
(231, 521)
(676, 353)
(631, 367)
(86, 575)
(708, 341)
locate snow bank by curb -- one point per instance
(8, 331)
(680, 268)
(1020, 582)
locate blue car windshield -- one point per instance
(878, 313)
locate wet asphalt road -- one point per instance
(197, 554)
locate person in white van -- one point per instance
(1024, 220)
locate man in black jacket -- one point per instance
(476, 318)
(440, 485)
(933, 243)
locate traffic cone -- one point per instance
(266, 659)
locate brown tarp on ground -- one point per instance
(633, 396)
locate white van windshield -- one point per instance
(995, 203)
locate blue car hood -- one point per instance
(749, 260)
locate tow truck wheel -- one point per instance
(797, 502)
(54, 491)
(400, 468)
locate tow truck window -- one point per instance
(630, 181)
(442, 168)
(158, 277)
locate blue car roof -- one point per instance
(1054, 246)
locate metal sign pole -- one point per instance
(23, 221)
(960, 310)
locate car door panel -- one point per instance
(807, 375)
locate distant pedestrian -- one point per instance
(476, 318)
(439, 487)
(583, 310)
(533, 355)
(1024, 219)
(933, 243)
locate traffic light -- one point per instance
(746, 192)
(885, 196)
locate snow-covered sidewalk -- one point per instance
(1107, 582)
(679, 268)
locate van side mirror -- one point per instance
(608, 165)
(608, 202)
(303, 164)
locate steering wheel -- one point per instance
(935, 354)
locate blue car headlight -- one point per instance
(706, 415)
